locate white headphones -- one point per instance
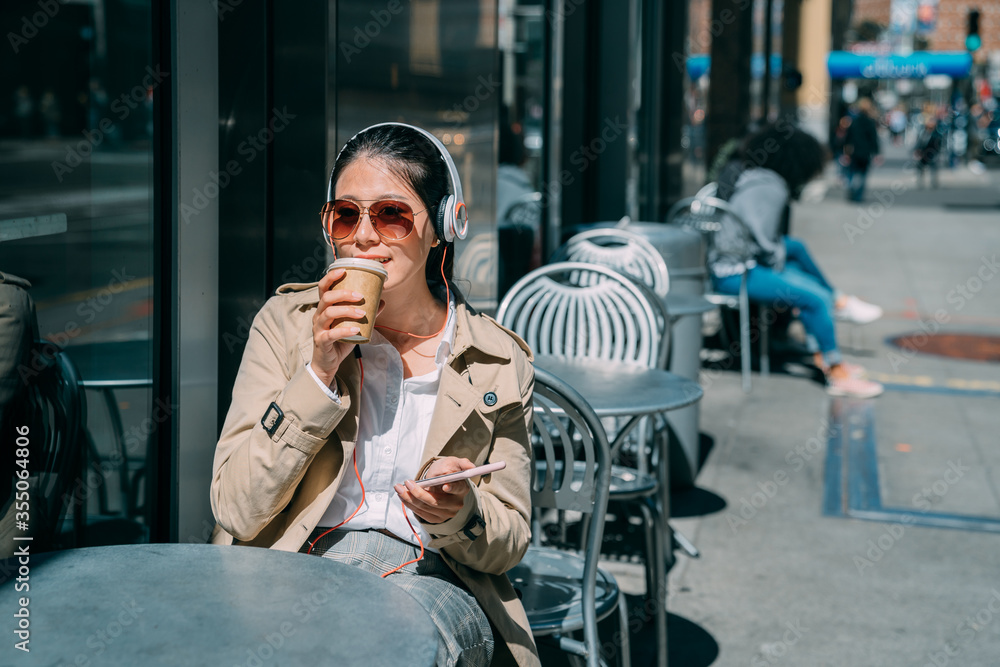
(452, 216)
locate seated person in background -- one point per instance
(772, 169)
(321, 445)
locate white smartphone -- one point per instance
(465, 474)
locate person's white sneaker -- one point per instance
(853, 370)
(853, 387)
(857, 311)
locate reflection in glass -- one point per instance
(430, 63)
(697, 50)
(522, 27)
(77, 84)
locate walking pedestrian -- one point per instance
(926, 152)
(861, 147)
(897, 125)
(837, 144)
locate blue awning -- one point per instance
(698, 65)
(845, 65)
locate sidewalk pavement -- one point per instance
(819, 519)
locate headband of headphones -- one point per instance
(452, 218)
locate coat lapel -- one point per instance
(464, 382)
(457, 399)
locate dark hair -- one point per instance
(794, 155)
(411, 157)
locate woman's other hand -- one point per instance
(436, 504)
(334, 304)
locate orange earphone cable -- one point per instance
(362, 503)
(405, 515)
(447, 306)
(356, 474)
(420, 541)
(358, 509)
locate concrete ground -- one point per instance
(820, 520)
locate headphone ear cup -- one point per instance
(445, 223)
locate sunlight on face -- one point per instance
(366, 181)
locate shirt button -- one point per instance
(379, 496)
(388, 450)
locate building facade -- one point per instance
(162, 166)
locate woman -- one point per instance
(773, 168)
(318, 437)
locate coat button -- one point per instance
(490, 399)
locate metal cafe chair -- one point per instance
(707, 190)
(573, 309)
(726, 235)
(621, 250)
(631, 254)
(54, 410)
(564, 592)
(551, 305)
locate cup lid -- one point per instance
(363, 264)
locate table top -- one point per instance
(681, 305)
(203, 604)
(615, 389)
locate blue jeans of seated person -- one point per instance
(800, 285)
(797, 254)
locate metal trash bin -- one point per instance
(684, 252)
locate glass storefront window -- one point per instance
(522, 141)
(698, 47)
(77, 84)
(431, 63)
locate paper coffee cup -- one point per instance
(366, 277)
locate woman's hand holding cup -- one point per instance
(334, 305)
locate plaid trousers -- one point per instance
(465, 636)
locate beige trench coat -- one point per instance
(271, 489)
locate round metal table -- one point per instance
(684, 252)
(203, 604)
(615, 389)
(685, 346)
(682, 305)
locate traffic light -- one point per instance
(972, 39)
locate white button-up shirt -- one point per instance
(395, 418)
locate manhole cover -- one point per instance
(956, 346)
